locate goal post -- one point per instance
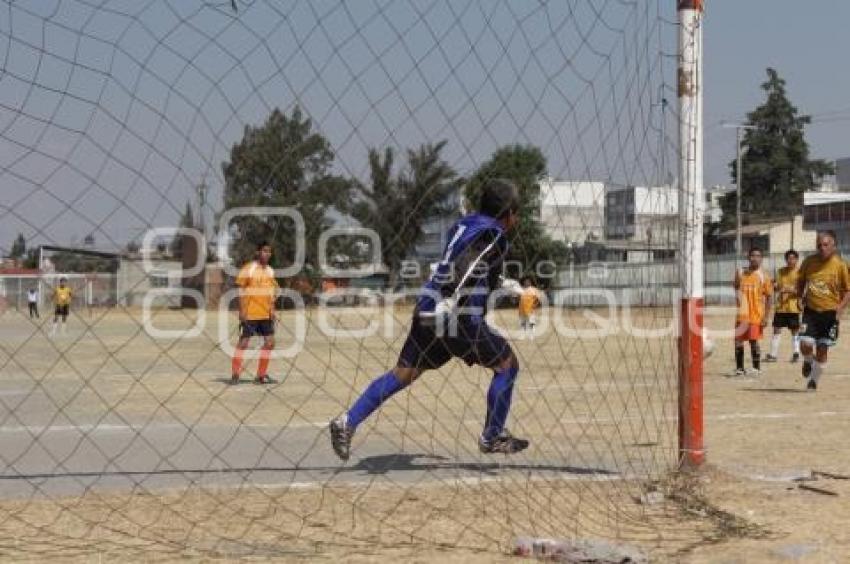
(691, 204)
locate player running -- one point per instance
(754, 290)
(257, 293)
(825, 286)
(787, 307)
(62, 296)
(448, 321)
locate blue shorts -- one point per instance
(256, 327)
(474, 343)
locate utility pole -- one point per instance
(739, 251)
(739, 127)
(202, 200)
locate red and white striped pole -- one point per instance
(691, 204)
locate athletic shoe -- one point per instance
(770, 358)
(504, 443)
(812, 385)
(341, 435)
(753, 372)
(739, 372)
(795, 357)
(807, 368)
(265, 380)
(234, 379)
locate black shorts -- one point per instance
(789, 320)
(820, 326)
(474, 343)
(256, 328)
(62, 311)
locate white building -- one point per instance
(572, 212)
(842, 174)
(828, 210)
(430, 246)
(641, 222)
(713, 197)
(773, 238)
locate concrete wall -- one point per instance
(134, 282)
(780, 236)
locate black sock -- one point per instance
(739, 357)
(756, 352)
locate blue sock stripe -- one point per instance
(380, 390)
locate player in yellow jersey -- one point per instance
(824, 284)
(787, 306)
(753, 288)
(529, 301)
(62, 296)
(258, 290)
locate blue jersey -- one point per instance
(470, 267)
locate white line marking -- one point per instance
(430, 483)
(120, 428)
(111, 428)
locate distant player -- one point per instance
(529, 301)
(787, 307)
(32, 302)
(258, 290)
(754, 289)
(825, 286)
(448, 321)
(62, 296)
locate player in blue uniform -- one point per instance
(448, 321)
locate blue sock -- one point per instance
(380, 390)
(499, 402)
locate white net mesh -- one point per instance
(119, 433)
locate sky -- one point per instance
(806, 42)
(112, 112)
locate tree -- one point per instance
(19, 247)
(523, 165)
(282, 163)
(187, 220)
(31, 260)
(397, 207)
(776, 167)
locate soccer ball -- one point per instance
(707, 346)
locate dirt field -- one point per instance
(119, 446)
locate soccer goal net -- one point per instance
(349, 137)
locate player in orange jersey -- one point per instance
(529, 301)
(62, 296)
(787, 307)
(258, 290)
(754, 290)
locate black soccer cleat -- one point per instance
(812, 385)
(341, 435)
(234, 379)
(770, 358)
(504, 443)
(265, 380)
(806, 369)
(795, 357)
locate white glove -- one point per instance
(444, 308)
(511, 285)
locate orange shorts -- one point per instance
(748, 331)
